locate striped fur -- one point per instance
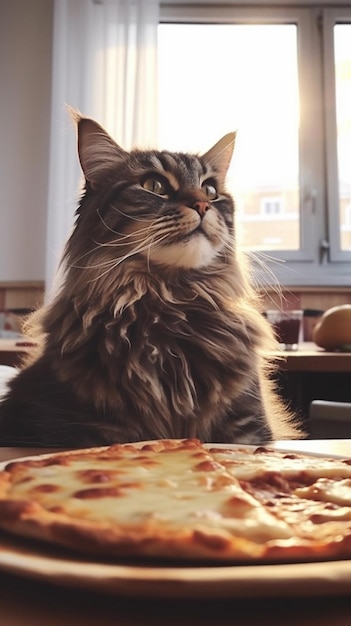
(155, 330)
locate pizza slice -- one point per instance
(312, 494)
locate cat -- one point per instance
(156, 330)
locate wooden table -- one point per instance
(311, 358)
(310, 373)
(12, 351)
(27, 602)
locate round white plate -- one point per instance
(41, 562)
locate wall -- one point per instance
(322, 298)
(25, 79)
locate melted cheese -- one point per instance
(327, 490)
(246, 466)
(186, 489)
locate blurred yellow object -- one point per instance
(333, 329)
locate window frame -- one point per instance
(314, 263)
(331, 17)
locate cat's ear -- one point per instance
(98, 152)
(220, 155)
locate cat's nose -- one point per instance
(201, 206)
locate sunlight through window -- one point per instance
(226, 77)
(342, 50)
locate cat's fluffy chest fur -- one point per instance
(156, 330)
(173, 354)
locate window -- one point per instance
(282, 78)
(271, 206)
(346, 222)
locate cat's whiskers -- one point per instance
(147, 245)
(152, 245)
(228, 243)
(131, 217)
(260, 258)
(120, 242)
(102, 263)
(125, 215)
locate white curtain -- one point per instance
(105, 65)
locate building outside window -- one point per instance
(280, 77)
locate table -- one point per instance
(310, 373)
(310, 358)
(32, 603)
(12, 351)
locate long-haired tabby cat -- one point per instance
(155, 331)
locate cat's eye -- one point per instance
(210, 190)
(156, 185)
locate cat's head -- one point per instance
(168, 208)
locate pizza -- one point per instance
(182, 500)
